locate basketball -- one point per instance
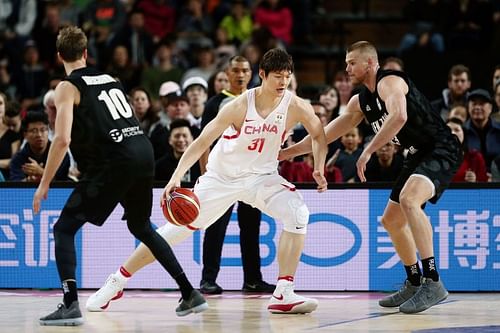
(181, 207)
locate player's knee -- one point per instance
(139, 229)
(297, 218)
(408, 201)
(174, 234)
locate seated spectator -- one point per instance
(482, 132)
(216, 83)
(136, 39)
(238, 24)
(195, 88)
(194, 26)
(9, 140)
(28, 163)
(277, 17)
(329, 97)
(159, 17)
(179, 139)
(301, 171)
(473, 167)
(122, 69)
(385, 165)
(143, 110)
(177, 108)
(348, 156)
(205, 64)
(165, 90)
(12, 117)
(459, 83)
(163, 70)
(224, 49)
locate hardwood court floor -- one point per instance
(232, 312)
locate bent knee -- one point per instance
(297, 218)
(174, 234)
(409, 201)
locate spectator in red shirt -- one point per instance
(274, 15)
(473, 167)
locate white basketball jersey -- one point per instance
(253, 150)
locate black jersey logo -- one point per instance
(116, 135)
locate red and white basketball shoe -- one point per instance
(112, 290)
(285, 300)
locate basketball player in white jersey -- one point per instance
(243, 167)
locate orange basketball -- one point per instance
(181, 207)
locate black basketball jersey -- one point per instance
(423, 128)
(105, 132)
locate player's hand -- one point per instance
(283, 155)
(170, 187)
(320, 180)
(361, 165)
(41, 193)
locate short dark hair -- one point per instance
(71, 43)
(276, 60)
(237, 58)
(34, 117)
(176, 123)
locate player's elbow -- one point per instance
(401, 117)
(62, 141)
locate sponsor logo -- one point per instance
(118, 135)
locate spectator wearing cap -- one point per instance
(161, 105)
(195, 88)
(482, 132)
(176, 107)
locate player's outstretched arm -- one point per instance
(351, 117)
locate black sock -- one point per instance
(70, 293)
(413, 273)
(184, 285)
(429, 268)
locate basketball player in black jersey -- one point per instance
(116, 161)
(398, 112)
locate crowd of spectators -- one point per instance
(170, 56)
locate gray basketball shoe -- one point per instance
(64, 316)
(430, 293)
(402, 295)
(196, 303)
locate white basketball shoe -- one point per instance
(285, 300)
(112, 290)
